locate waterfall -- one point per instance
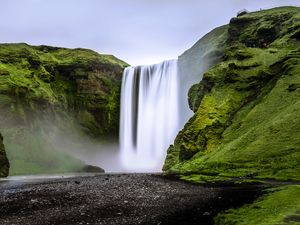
(149, 115)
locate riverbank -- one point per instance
(117, 199)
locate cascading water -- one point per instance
(149, 115)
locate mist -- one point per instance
(102, 153)
(52, 143)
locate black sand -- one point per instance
(117, 199)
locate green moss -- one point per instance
(203, 179)
(246, 122)
(277, 206)
(74, 90)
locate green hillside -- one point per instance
(49, 94)
(247, 120)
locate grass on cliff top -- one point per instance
(62, 55)
(207, 45)
(28, 69)
(279, 206)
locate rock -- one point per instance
(33, 201)
(206, 214)
(242, 12)
(296, 35)
(4, 164)
(194, 62)
(92, 169)
(293, 87)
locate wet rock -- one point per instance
(92, 169)
(4, 163)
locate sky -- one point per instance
(136, 31)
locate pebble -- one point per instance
(206, 214)
(126, 199)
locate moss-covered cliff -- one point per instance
(246, 121)
(4, 164)
(48, 91)
(195, 61)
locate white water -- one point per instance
(149, 115)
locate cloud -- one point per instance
(137, 31)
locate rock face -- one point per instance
(48, 92)
(195, 61)
(247, 120)
(4, 164)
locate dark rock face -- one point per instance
(197, 92)
(242, 12)
(48, 91)
(4, 164)
(246, 121)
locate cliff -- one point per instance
(208, 51)
(49, 94)
(246, 121)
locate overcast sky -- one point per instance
(137, 31)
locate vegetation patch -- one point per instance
(47, 93)
(278, 206)
(246, 122)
